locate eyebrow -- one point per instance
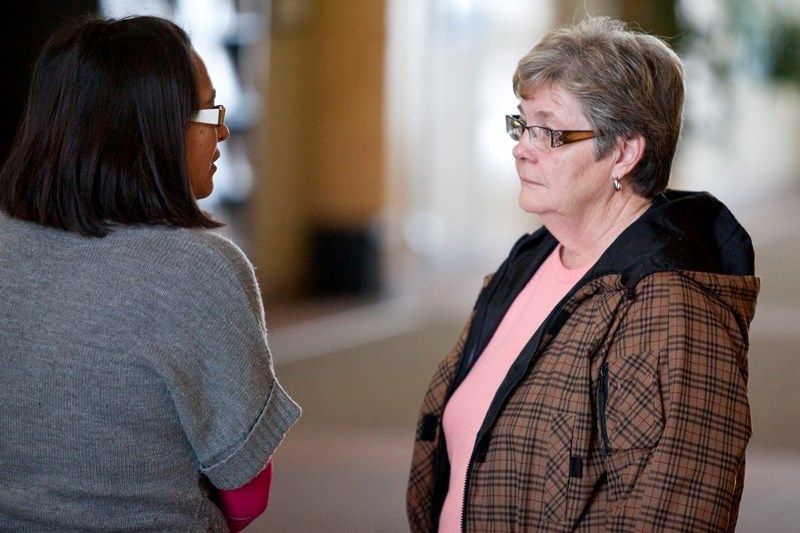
(213, 97)
(541, 115)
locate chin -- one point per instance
(529, 205)
(203, 189)
(204, 193)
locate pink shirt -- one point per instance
(243, 505)
(469, 404)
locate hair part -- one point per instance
(103, 138)
(629, 83)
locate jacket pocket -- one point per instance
(560, 465)
(602, 411)
(428, 425)
(634, 415)
(630, 419)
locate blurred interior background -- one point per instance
(369, 178)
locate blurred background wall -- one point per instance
(383, 128)
(370, 179)
(368, 146)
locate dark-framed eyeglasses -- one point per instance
(214, 116)
(542, 137)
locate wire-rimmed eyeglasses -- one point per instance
(214, 116)
(542, 137)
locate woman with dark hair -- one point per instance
(137, 390)
(601, 383)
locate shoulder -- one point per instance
(218, 252)
(200, 264)
(697, 302)
(216, 243)
(734, 291)
(195, 251)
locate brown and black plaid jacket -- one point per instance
(628, 409)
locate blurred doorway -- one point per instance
(452, 184)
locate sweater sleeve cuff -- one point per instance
(279, 414)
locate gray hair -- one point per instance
(629, 83)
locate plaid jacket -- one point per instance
(627, 410)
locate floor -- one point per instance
(359, 371)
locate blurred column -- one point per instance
(24, 29)
(654, 16)
(320, 188)
(657, 17)
(569, 11)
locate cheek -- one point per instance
(205, 147)
(199, 150)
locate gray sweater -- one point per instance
(134, 371)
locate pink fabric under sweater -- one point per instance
(243, 505)
(469, 404)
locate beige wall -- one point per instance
(320, 157)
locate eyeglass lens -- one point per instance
(539, 136)
(214, 116)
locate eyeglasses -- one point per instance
(214, 116)
(542, 137)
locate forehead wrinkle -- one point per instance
(540, 116)
(549, 106)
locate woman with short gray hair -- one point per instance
(601, 381)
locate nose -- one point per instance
(523, 149)
(223, 133)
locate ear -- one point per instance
(629, 153)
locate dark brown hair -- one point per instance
(102, 141)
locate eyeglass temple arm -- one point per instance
(573, 136)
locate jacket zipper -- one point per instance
(494, 406)
(494, 411)
(464, 498)
(602, 403)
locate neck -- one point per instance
(584, 241)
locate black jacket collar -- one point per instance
(680, 231)
(690, 231)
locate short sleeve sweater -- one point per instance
(134, 371)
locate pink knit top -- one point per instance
(243, 505)
(469, 404)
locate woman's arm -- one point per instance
(688, 476)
